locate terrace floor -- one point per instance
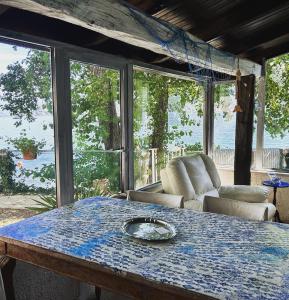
(13, 208)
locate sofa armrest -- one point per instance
(246, 193)
(230, 207)
(173, 201)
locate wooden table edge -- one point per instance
(122, 282)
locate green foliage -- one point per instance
(95, 102)
(47, 202)
(277, 96)
(224, 94)
(46, 174)
(25, 144)
(197, 147)
(155, 97)
(25, 84)
(92, 167)
(7, 171)
(95, 116)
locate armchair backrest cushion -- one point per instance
(190, 176)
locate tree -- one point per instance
(26, 88)
(155, 96)
(277, 96)
(25, 85)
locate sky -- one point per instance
(8, 55)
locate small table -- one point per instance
(275, 186)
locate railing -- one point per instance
(147, 169)
(147, 166)
(272, 158)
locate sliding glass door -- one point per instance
(96, 129)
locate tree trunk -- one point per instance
(160, 127)
(160, 122)
(113, 127)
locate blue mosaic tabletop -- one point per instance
(220, 256)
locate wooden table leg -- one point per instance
(7, 266)
(277, 216)
(97, 292)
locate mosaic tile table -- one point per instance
(212, 256)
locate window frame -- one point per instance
(61, 53)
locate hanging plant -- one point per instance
(28, 147)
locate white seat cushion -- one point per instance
(254, 194)
(213, 193)
(246, 210)
(194, 205)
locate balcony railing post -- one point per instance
(260, 120)
(153, 164)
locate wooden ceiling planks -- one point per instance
(240, 27)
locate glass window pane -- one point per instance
(27, 160)
(167, 122)
(95, 94)
(276, 136)
(224, 124)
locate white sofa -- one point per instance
(195, 177)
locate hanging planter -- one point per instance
(28, 147)
(29, 155)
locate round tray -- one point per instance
(149, 229)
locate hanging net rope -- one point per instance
(199, 55)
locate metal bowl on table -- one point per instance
(149, 229)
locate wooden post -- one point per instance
(244, 132)
(208, 127)
(127, 128)
(62, 127)
(260, 119)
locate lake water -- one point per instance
(224, 135)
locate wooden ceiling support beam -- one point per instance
(115, 20)
(3, 9)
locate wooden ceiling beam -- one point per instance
(100, 40)
(160, 59)
(116, 21)
(3, 9)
